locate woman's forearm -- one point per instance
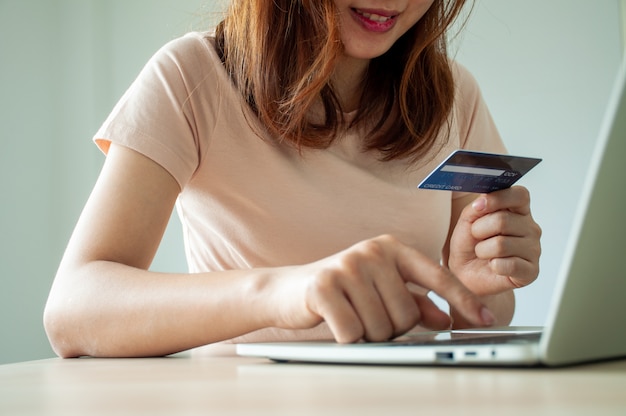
(113, 310)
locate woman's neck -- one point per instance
(347, 82)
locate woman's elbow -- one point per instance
(57, 328)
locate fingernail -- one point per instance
(487, 316)
(479, 204)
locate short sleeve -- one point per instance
(476, 128)
(157, 115)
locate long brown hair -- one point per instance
(281, 55)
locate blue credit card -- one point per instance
(468, 171)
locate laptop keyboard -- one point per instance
(473, 339)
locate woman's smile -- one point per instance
(369, 28)
(375, 20)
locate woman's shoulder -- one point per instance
(473, 120)
(188, 66)
(466, 84)
(193, 49)
(193, 41)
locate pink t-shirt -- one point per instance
(246, 202)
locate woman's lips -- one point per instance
(374, 20)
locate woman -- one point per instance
(292, 141)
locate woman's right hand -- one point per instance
(361, 293)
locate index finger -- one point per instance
(416, 267)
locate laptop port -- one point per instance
(444, 356)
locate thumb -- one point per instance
(475, 210)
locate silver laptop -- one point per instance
(587, 317)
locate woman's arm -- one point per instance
(104, 302)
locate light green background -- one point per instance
(546, 68)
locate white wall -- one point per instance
(545, 66)
(623, 18)
(63, 65)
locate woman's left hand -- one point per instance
(495, 245)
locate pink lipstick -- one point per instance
(374, 20)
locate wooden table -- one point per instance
(186, 385)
